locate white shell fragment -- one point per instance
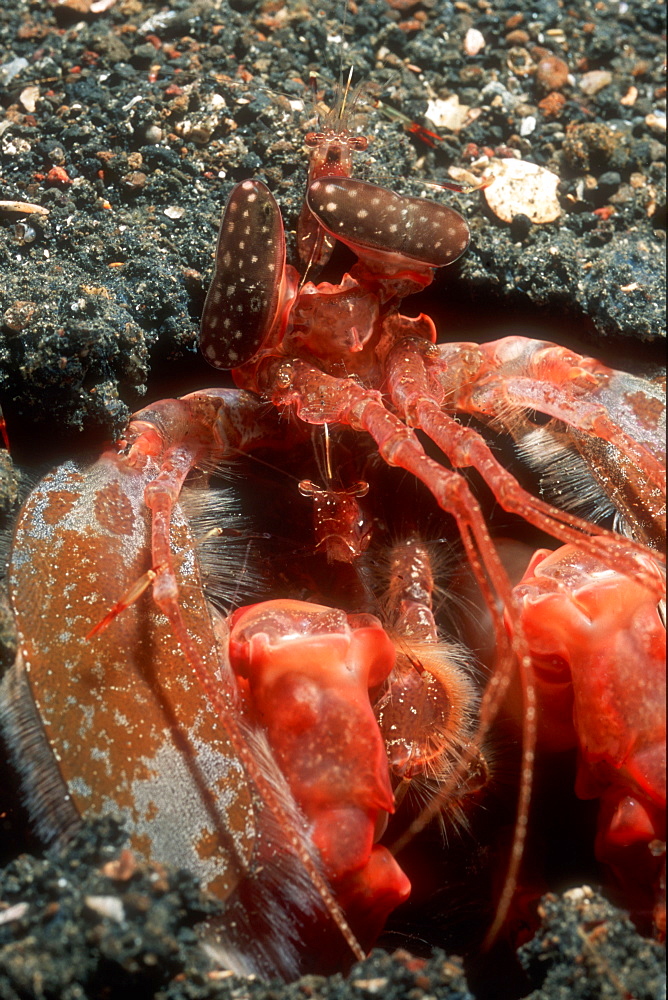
(22, 207)
(464, 177)
(449, 113)
(106, 906)
(528, 125)
(473, 42)
(12, 913)
(597, 79)
(28, 98)
(521, 188)
(657, 122)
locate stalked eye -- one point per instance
(378, 223)
(244, 295)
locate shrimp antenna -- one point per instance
(345, 91)
(344, 19)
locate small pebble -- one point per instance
(518, 37)
(609, 181)
(110, 907)
(11, 69)
(520, 227)
(552, 73)
(17, 317)
(657, 122)
(597, 79)
(135, 180)
(473, 42)
(528, 125)
(76, 6)
(152, 134)
(58, 175)
(552, 105)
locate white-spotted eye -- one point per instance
(244, 295)
(372, 219)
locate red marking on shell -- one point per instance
(128, 726)
(113, 510)
(648, 410)
(59, 504)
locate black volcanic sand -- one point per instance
(101, 298)
(130, 127)
(78, 926)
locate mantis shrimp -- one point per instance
(254, 748)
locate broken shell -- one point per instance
(22, 207)
(517, 187)
(449, 113)
(28, 98)
(465, 177)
